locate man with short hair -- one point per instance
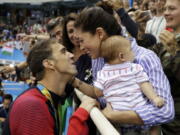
(36, 111)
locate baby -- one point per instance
(121, 82)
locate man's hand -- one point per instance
(88, 103)
(115, 4)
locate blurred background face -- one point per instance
(159, 4)
(172, 14)
(71, 33)
(6, 103)
(152, 6)
(126, 4)
(57, 33)
(135, 5)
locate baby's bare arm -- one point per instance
(149, 92)
(87, 89)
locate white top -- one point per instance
(120, 85)
(155, 26)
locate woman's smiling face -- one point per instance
(172, 13)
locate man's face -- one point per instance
(89, 43)
(63, 60)
(57, 33)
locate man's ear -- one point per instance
(121, 57)
(49, 64)
(101, 33)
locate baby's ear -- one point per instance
(121, 57)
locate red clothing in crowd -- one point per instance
(30, 115)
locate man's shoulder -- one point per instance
(31, 96)
(146, 53)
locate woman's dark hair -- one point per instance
(42, 50)
(91, 18)
(66, 41)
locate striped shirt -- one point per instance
(151, 64)
(120, 85)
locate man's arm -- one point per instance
(150, 114)
(8, 69)
(77, 123)
(123, 117)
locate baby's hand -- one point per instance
(158, 101)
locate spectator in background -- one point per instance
(152, 7)
(55, 28)
(71, 42)
(158, 23)
(7, 100)
(170, 58)
(1, 94)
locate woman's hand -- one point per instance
(115, 4)
(168, 40)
